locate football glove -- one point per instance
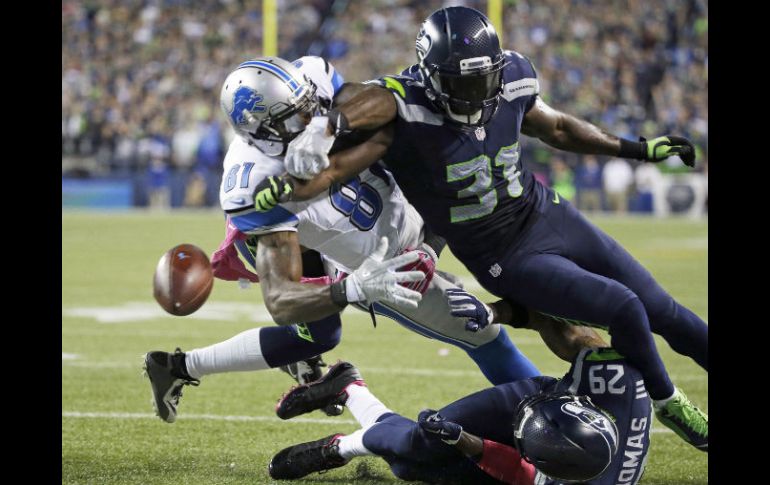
(432, 422)
(271, 191)
(662, 147)
(659, 149)
(377, 279)
(307, 155)
(464, 305)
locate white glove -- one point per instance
(378, 280)
(307, 155)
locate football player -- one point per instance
(360, 226)
(591, 426)
(454, 121)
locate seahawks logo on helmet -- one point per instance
(247, 99)
(588, 416)
(423, 43)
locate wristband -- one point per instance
(339, 295)
(339, 122)
(631, 149)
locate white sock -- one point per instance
(364, 406)
(240, 353)
(352, 445)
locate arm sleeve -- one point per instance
(504, 463)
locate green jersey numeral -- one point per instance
(480, 168)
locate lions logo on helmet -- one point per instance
(247, 99)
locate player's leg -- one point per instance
(594, 250)
(265, 347)
(559, 287)
(491, 348)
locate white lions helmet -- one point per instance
(268, 102)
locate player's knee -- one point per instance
(630, 310)
(327, 333)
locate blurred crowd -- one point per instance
(141, 79)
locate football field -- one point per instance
(227, 431)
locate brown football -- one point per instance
(183, 279)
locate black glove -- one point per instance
(271, 191)
(432, 422)
(659, 149)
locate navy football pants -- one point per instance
(566, 267)
(414, 454)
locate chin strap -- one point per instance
(471, 119)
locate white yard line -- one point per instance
(395, 371)
(207, 417)
(216, 417)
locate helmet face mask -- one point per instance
(268, 102)
(461, 64)
(564, 436)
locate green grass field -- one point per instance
(227, 431)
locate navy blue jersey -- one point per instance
(618, 388)
(601, 374)
(467, 182)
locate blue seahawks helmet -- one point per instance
(565, 436)
(461, 63)
(268, 102)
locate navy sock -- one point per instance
(290, 343)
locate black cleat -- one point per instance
(305, 458)
(307, 371)
(328, 390)
(167, 377)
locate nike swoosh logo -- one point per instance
(555, 197)
(238, 201)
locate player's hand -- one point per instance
(662, 147)
(432, 422)
(307, 155)
(377, 279)
(464, 305)
(271, 191)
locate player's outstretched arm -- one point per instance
(345, 164)
(564, 339)
(566, 132)
(356, 107)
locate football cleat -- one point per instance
(305, 458)
(307, 371)
(167, 378)
(319, 394)
(686, 420)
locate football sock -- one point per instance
(289, 343)
(364, 405)
(239, 353)
(352, 445)
(500, 361)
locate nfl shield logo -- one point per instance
(481, 133)
(495, 270)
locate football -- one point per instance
(183, 279)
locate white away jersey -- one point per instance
(344, 223)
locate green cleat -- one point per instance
(686, 420)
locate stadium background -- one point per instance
(140, 80)
(141, 128)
